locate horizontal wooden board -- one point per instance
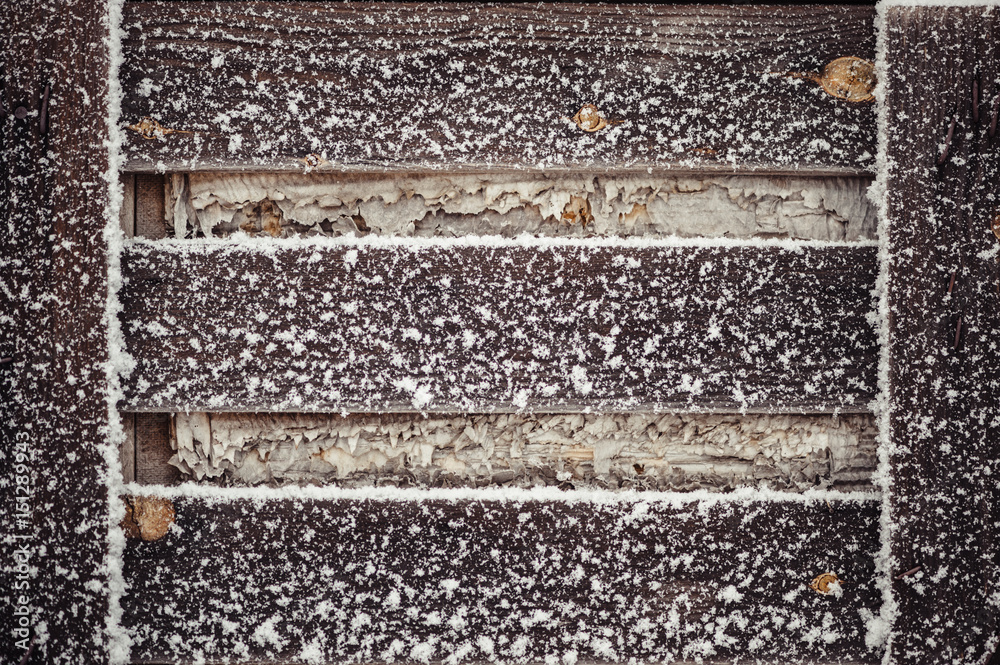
(487, 580)
(544, 326)
(419, 86)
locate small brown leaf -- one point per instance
(314, 161)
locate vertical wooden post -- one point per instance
(943, 195)
(53, 276)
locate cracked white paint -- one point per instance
(285, 205)
(677, 452)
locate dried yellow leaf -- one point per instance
(589, 119)
(313, 161)
(849, 78)
(825, 583)
(577, 211)
(151, 129)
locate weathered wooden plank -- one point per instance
(502, 325)
(407, 577)
(419, 86)
(54, 415)
(943, 425)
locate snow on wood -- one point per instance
(59, 576)
(490, 324)
(624, 451)
(421, 578)
(942, 415)
(411, 87)
(283, 205)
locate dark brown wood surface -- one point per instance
(153, 450)
(944, 318)
(53, 279)
(591, 580)
(149, 209)
(453, 327)
(420, 86)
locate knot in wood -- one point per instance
(589, 119)
(826, 583)
(849, 78)
(147, 517)
(150, 129)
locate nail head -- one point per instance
(20, 113)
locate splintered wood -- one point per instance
(334, 204)
(639, 451)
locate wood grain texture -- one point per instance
(465, 327)
(153, 450)
(404, 580)
(127, 213)
(54, 286)
(420, 86)
(944, 417)
(126, 451)
(150, 220)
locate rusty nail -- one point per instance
(993, 120)
(20, 113)
(27, 654)
(975, 100)
(951, 284)
(4, 361)
(911, 571)
(958, 331)
(43, 112)
(947, 140)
